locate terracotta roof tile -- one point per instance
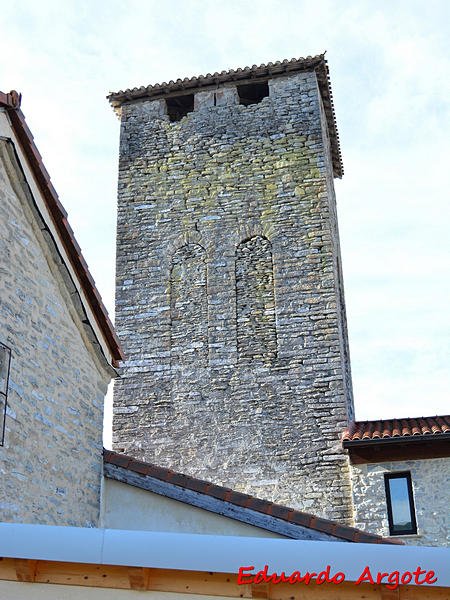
(238, 498)
(224, 494)
(280, 512)
(255, 72)
(323, 525)
(197, 485)
(300, 518)
(259, 505)
(219, 492)
(120, 460)
(347, 533)
(139, 467)
(433, 427)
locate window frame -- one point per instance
(5, 395)
(400, 475)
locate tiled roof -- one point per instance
(277, 511)
(254, 73)
(401, 429)
(11, 103)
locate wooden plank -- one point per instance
(138, 578)
(419, 592)
(198, 582)
(103, 576)
(327, 591)
(8, 569)
(389, 594)
(260, 590)
(25, 569)
(203, 583)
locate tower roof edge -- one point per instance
(262, 72)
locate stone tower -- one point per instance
(230, 304)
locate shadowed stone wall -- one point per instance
(229, 296)
(255, 302)
(188, 307)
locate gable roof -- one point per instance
(11, 103)
(248, 74)
(267, 515)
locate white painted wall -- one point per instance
(127, 507)
(430, 480)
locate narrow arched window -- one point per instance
(255, 300)
(188, 307)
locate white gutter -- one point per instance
(193, 552)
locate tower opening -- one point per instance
(252, 93)
(179, 106)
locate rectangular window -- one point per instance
(400, 503)
(5, 358)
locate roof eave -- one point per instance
(405, 439)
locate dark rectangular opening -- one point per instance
(400, 503)
(179, 106)
(252, 93)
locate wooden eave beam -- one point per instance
(199, 582)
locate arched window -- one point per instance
(255, 300)
(188, 307)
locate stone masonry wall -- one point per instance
(431, 498)
(239, 201)
(51, 460)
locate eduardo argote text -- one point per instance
(391, 580)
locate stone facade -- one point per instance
(229, 301)
(50, 461)
(431, 498)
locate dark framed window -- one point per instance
(400, 503)
(5, 359)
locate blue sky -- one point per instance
(390, 74)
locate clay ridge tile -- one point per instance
(224, 494)
(278, 66)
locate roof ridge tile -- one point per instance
(246, 501)
(406, 427)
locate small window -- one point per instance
(400, 503)
(252, 93)
(5, 358)
(179, 106)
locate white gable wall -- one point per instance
(128, 507)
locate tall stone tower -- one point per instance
(229, 301)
